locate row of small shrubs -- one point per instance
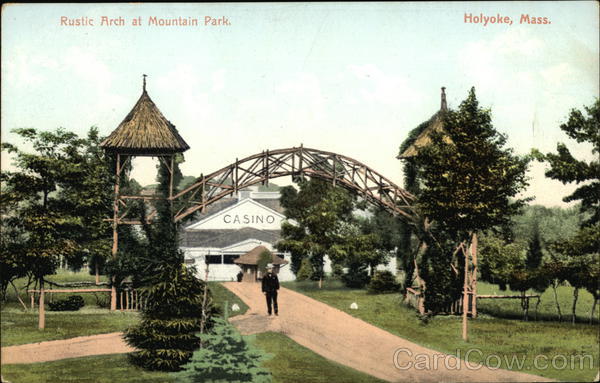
(71, 303)
(356, 276)
(382, 281)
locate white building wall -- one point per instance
(245, 213)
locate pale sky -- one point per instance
(350, 78)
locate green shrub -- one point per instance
(166, 336)
(337, 270)
(225, 357)
(306, 270)
(383, 281)
(71, 303)
(356, 277)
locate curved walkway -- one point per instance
(315, 325)
(112, 343)
(355, 343)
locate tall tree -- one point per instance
(178, 303)
(40, 216)
(317, 210)
(88, 195)
(567, 169)
(469, 179)
(582, 249)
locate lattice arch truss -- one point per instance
(298, 161)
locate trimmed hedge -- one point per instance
(71, 303)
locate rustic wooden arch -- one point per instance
(341, 170)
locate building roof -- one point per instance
(223, 238)
(435, 124)
(145, 131)
(253, 256)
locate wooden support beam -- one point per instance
(41, 310)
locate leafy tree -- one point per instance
(469, 180)
(40, 220)
(581, 249)
(227, 357)
(317, 209)
(166, 336)
(356, 252)
(89, 195)
(581, 263)
(499, 260)
(534, 251)
(387, 235)
(552, 223)
(412, 183)
(567, 169)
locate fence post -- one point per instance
(42, 311)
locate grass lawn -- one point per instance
(490, 335)
(290, 363)
(91, 369)
(221, 295)
(293, 363)
(20, 327)
(511, 308)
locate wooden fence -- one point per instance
(414, 298)
(129, 299)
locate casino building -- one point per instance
(231, 228)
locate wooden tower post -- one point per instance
(143, 132)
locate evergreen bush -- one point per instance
(71, 303)
(356, 277)
(225, 357)
(383, 281)
(166, 336)
(306, 270)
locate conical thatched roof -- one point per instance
(253, 256)
(435, 124)
(145, 131)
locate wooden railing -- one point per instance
(131, 300)
(128, 299)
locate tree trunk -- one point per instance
(556, 301)
(474, 275)
(97, 273)
(524, 304)
(575, 296)
(465, 321)
(21, 301)
(422, 286)
(593, 309)
(204, 299)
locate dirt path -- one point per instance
(112, 343)
(357, 344)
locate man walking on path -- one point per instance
(270, 285)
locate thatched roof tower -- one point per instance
(145, 131)
(435, 124)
